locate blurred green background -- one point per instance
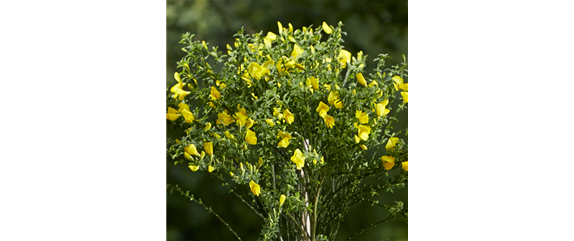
(373, 27)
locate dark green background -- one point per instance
(372, 26)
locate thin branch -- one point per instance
(371, 226)
(191, 198)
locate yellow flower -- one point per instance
(241, 117)
(255, 188)
(405, 96)
(210, 168)
(290, 28)
(182, 106)
(214, 93)
(398, 83)
(191, 150)
(224, 118)
(281, 200)
(338, 104)
(229, 135)
(296, 51)
(188, 116)
(333, 96)
(280, 27)
(193, 168)
(250, 137)
(362, 116)
(381, 108)
(329, 120)
(364, 132)
(388, 162)
(271, 36)
(326, 28)
(177, 89)
(361, 79)
(186, 155)
(289, 117)
(322, 109)
(392, 143)
(344, 57)
(270, 122)
(257, 71)
(249, 123)
(208, 147)
(298, 159)
(363, 147)
(314, 82)
(204, 45)
(172, 114)
(405, 166)
(357, 139)
(207, 127)
(285, 137)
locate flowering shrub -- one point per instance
(293, 119)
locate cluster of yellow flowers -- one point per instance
(281, 69)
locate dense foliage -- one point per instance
(292, 118)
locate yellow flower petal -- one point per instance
(326, 28)
(364, 132)
(208, 147)
(210, 168)
(270, 122)
(361, 79)
(214, 93)
(285, 137)
(314, 82)
(333, 96)
(388, 162)
(183, 106)
(357, 139)
(193, 168)
(207, 127)
(172, 114)
(344, 57)
(189, 118)
(362, 116)
(391, 143)
(338, 104)
(271, 36)
(397, 81)
(249, 123)
(224, 118)
(281, 200)
(405, 96)
(329, 120)
(257, 71)
(322, 109)
(363, 147)
(381, 111)
(296, 51)
(405, 166)
(191, 150)
(229, 135)
(250, 137)
(298, 158)
(289, 117)
(255, 188)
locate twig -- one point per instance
(191, 198)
